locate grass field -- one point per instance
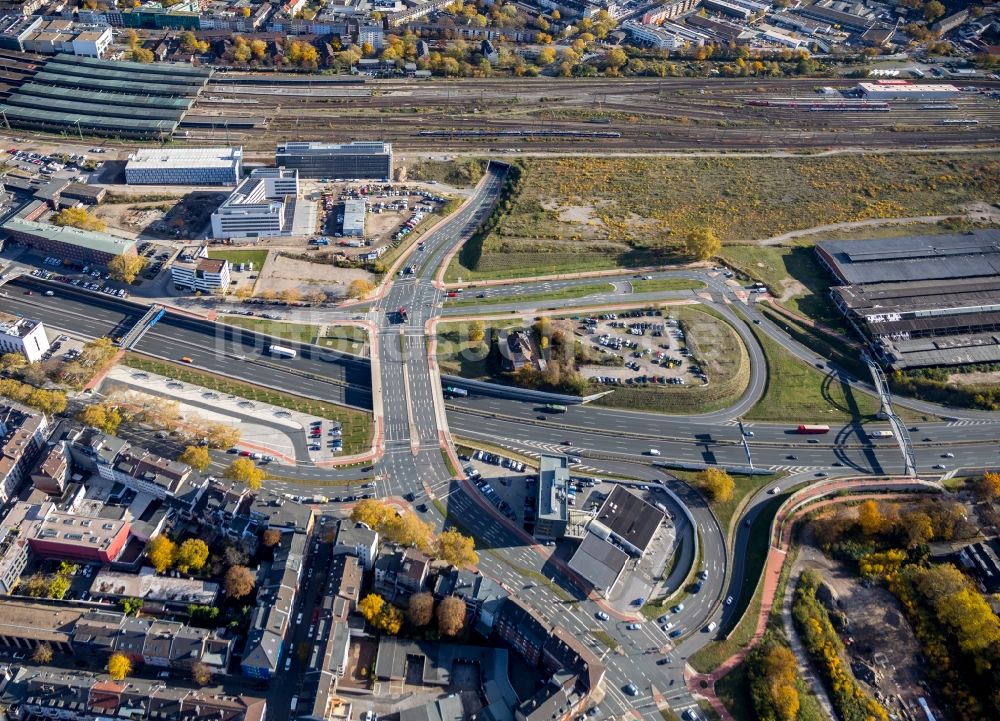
(301, 332)
(745, 485)
(720, 351)
(573, 291)
(660, 284)
(257, 257)
(357, 425)
(791, 272)
(575, 214)
(347, 338)
(457, 355)
(798, 393)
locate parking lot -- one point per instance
(87, 278)
(506, 483)
(638, 347)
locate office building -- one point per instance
(185, 166)
(553, 506)
(194, 270)
(24, 336)
(354, 217)
(86, 247)
(261, 206)
(353, 161)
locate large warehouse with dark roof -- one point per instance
(924, 300)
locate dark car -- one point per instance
(422, 507)
(410, 497)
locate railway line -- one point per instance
(573, 115)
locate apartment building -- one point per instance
(22, 436)
(24, 336)
(194, 270)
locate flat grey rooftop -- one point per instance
(924, 257)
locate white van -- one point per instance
(654, 452)
(710, 628)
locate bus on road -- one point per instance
(881, 434)
(554, 408)
(812, 429)
(281, 352)
(457, 392)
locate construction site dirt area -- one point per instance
(160, 216)
(282, 272)
(883, 651)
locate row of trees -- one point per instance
(959, 634)
(139, 409)
(288, 295)
(50, 402)
(94, 356)
(826, 649)
(54, 585)
(772, 672)
(187, 557)
(405, 529)
(879, 525)
(421, 609)
(79, 218)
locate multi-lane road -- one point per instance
(417, 426)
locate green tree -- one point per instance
(102, 416)
(197, 457)
(130, 606)
(702, 244)
(239, 581)
(869, 518)
(42, 654)
(245, 471)
(125, 268)
(359, 288)
(451, 615)
(456, 549)
(191, 555)
(477, 331)
(160, 551)
(58, 586)
(78, 218)
(119, 666)
(12, 362)
(370, 607)
(420, 609)
(616, 58)
(718, 484)
(933, 10)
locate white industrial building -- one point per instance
(668, 36)
(24, 336)
(261, 206)
(193, 269)
(901, 90)
(354, 217)
(185, 166)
